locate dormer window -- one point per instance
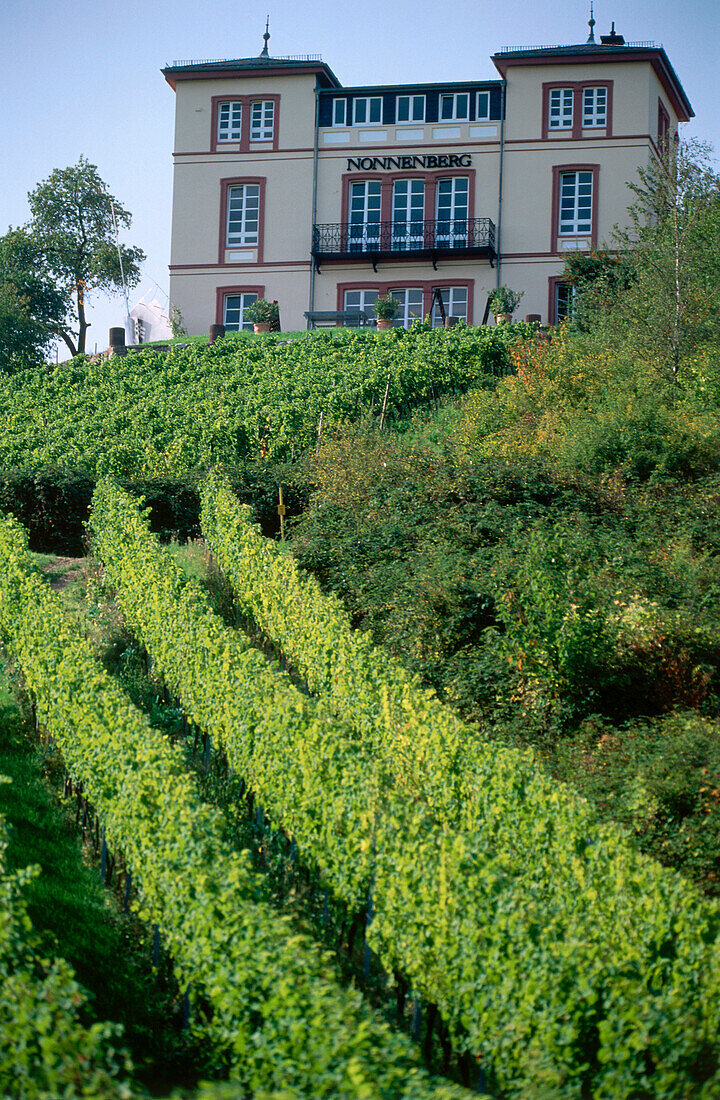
(339, 112)
(410, 108)
(455, 107)
(482, 113)
(229, 121)
(367, 111)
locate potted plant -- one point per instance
(386, 309)
(504, 302)
(262, 314)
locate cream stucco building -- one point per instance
(291, 187)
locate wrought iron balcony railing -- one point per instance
(432, 240)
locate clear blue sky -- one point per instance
(83, 77)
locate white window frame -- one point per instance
(416, 108)
(575, 204)
(455, 300)
(342, 120)
(262, 120)
(560, 108)
(246, 299)
(594, 107)
(370, 101)
(408, 214)
(480, 114)
(244, 215)
(366, 299)
(402, 294)
(569, 293)
(229, 128)
(456, 115)
(364, 214)
(453, 215)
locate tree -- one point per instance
(599, 279)
(673, 245)
(30, 303)
(73, 228)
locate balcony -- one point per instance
(412, 240)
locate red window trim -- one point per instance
(222, 291)
(578, 86)
(552, 284)
(387, 179)
(426, 285)
(663, 125)
(225, 185)
(559, 170)
(244, 145)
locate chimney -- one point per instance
(612, 39)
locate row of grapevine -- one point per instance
(276, 1015)
(161, 414)
(570, 964)
(426, 748)
(45, 1049)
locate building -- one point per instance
(292, 187)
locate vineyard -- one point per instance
(162, 414)
(354, 890)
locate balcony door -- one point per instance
(408, 215)
(451, 212)
(364, 227)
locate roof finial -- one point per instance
(266, 38)
(591, 25)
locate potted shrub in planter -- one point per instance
(262, 314)
(386, 310)
(504, 302)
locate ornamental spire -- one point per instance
(266, 39)
(591, 25)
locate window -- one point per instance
(262, 120)
(561, 109)
(410, 108)
(243, 215)
(455, 301)
(411, 302)
(234, 306)
(564, 298)
(575, 214)
(451, 212)
(663, 126)
(339, 112)
(364, 227)
(367, 111)
(594, 107)
(408, 214)
(229, 121)
(361, 299)
(455, 107)
(483, 106)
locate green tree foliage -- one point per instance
(598, 278)
(29, 303)
(72, 227)
(659, 292)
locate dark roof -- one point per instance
(418, 86)
(594, 51)
(194, 70)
